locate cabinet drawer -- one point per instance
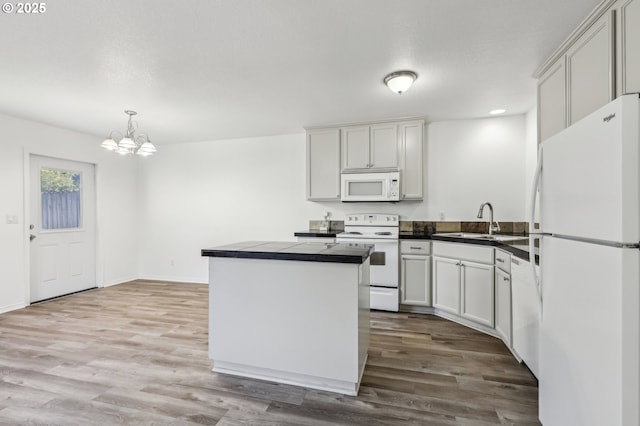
(415, 247)
(503, 261)
(469, 252)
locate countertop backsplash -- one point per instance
(433, 227)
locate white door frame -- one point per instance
(26, 191)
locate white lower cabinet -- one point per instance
(476, 284)
(446, 284)
(415, 273)
(415, 279)
(463, 281)
(503, 306)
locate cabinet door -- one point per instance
(552, 103)
(590, 69)
(628, 66)
(415, 280)
(384, 146)
(477, 292)
(323, 164)
(446, 284)
(355, 148)
(503, 306)
(412, 162)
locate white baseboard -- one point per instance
(186, 280)
(119, 281)
(286, 377)
(13, 307)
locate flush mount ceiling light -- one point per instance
(497, 111)
(400, 81)
(129, 143)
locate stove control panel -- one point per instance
(368, 219)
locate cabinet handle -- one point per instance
(505, 279)
(415, 248)
(515, 261)
(499, 260)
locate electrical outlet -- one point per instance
(172, 263)
(441, 216)
(12, 219)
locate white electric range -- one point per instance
(382, 231)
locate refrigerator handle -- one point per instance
(532, 220)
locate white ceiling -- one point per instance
(210, 69)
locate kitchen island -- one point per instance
(295, 313)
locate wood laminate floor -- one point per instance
(136, 353)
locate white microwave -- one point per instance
(380, 186)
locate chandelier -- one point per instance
(129, 143)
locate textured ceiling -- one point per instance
(204, 70)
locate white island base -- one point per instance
(295, 322)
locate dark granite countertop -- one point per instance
(414, 235)
(519, 248)
(316, 233)
(306, 252)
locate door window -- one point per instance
(60, 194)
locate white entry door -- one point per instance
(63, 227)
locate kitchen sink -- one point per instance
(478, 236)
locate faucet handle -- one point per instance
(495, 227)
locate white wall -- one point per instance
(156, 214)
(473, 161)
(200, 195)
(116, 195)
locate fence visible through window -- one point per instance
(60, 199)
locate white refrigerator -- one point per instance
(589, 186)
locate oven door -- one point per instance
(383, 269)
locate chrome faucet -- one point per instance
(493, 225)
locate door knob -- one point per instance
(32, 237)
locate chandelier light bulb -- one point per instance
(109, 144)
(127, 143)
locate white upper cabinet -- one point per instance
(599, 61)
(411, 164)
(552, 103)
(628, 46)
(384, 146)
(370, 147)
(323, 164)
(355, 147)
(590, 65)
